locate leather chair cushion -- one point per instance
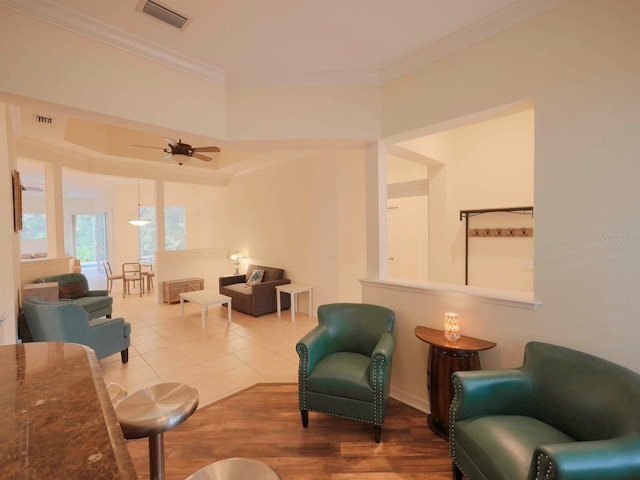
(502, 446)
(91, 304)
(342, 374)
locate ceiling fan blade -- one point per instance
(171, 142)
(166, 156)
(202, 157)
(147, 146)
(206, 149)
(32, 189)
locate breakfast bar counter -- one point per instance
(56, 417)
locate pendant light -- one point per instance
(139, 222)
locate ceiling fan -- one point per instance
(182, 152)
(31, 188)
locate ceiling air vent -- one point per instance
(42, 119)
(162, 13)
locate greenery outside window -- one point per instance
(174, 224)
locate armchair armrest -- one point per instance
(231, 279)
(263, 296)
(491, 392)
(381, 358)
(106, 323)
(97, 293)
(313, 347)
(263, 292)
(613, 459)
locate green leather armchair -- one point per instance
(66, 321)
(563, 415)
(97, 303)
(345, 363)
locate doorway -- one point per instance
(90, 239)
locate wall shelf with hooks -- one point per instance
(491, 232)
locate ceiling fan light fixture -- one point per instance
(180, 158)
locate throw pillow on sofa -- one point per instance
(256, 277)
(72, 291)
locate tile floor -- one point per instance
(218, 360)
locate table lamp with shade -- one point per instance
(235, 257)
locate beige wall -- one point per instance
(486, 165)
(58, 66)
(579, 64)
(9, 241)
(305, 216)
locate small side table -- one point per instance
(294, 289)
(152, 411)
(446, 357)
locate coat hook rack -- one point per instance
(491, 232)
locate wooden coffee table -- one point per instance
(205, 298)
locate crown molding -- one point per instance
(299, 79)
(71, 20)
(81, 24)
(516, 14)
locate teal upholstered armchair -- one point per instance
(66, 321)
(563, 415)
(345, 363)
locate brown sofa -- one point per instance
(258, 299)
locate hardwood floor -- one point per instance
(263, 422)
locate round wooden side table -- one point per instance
(446, 357)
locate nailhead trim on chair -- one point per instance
(303, 352)
(378, 364)
(453, 409)
(549, 470)
(378, 387)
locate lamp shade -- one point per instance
(139, 222)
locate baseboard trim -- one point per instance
(410, 399)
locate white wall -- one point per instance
(307, 217)
(9, 240)
(486, 165)
(59, 66)
(579, 63)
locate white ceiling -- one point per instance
(288, 41)
(269, 42)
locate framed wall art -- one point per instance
(17, 202)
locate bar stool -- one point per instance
(235, 469)
(116, 392)
(152, 411)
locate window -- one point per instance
(175, 234)
(34, 226)
(89, 238)
(33, 236)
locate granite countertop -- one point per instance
(57, 420)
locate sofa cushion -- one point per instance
(502, 446)
(72, 291)
(256, 277)
(270, 273)
(241, 288)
